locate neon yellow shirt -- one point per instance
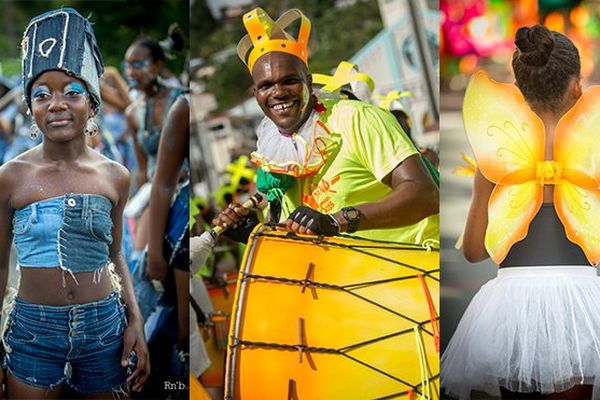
(369, 145)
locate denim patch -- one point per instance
(146, 294)
(53, 232)
(178, 223)
(149, 141)
(61, 40)
(87, 224)
(35, 230)
(80, 345)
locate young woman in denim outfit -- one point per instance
(144, 62)
(62, 203)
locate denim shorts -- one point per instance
(80, 345)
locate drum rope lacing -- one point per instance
(346, 288)
(362, 248)
(419, 326)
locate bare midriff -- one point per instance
(45, 286)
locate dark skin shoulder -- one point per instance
(477, 219)
(43, 179)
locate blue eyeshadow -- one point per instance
(76, 87)
(38, 91)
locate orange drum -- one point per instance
(221, 297)
(338, 318)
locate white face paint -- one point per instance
(306, 93)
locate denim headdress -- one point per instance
(61, 40)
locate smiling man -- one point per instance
(352, 167)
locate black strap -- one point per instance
(199, 314)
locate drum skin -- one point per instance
(357, 324)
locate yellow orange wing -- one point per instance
(506, 136)
(511, 209)
(577, 152)
(508, 143)
(579, 211)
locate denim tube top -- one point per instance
(72, 232)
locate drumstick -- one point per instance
(200, 246)
(251, 202)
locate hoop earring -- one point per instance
(91, 127)
(34, 131)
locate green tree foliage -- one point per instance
(337, 33)
(230, 83)
(201, 26)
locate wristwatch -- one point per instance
(352, 216)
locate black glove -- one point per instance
(320, 224)
(243, 231)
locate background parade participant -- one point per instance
(144, 63)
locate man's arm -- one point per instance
(378, 144)
(414, 197)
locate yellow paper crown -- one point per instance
(344, 74)
(265, 36)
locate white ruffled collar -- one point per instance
(300, 154)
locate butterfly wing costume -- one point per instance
(508, 141)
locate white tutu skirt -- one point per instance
(529, 329)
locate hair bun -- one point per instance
(535, 45)
(174, 42)
(176, 34)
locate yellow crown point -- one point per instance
(265, 36)
(393, 98)
(345, 73)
